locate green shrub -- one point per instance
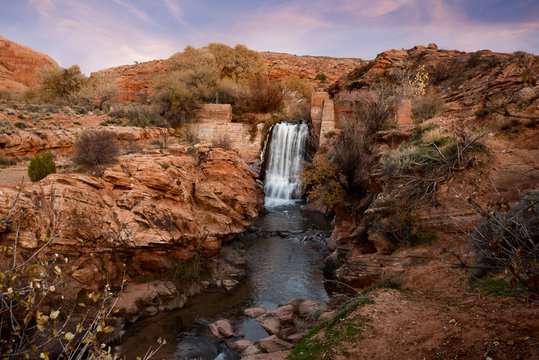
(321, 77)
(21, 125)
(41, 166)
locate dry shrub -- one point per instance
(377, 108)
(191, 136)
(36, 322)
(223, 141)
(401, 225)
(504, 244)
(391, 280)
(418, 168)
(350, 154)
(264, 97)
(139, 115)
(426, 107)
(96, 148)
(8, 95)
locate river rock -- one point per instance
(138, 300)
(271, 324)
(254, 312)
(239, 345)
(222, 329)
(229, 284)
(250, 351)
(273, 344)
(280, 355)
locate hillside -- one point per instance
(136, 78)
(19, 64)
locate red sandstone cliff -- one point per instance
(19, 64)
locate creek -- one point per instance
(282, 266)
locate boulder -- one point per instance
(254, 312)
(222, 329)
(272, 344)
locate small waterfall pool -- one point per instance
(285, 162)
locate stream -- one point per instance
(284, 258)
(281, 268)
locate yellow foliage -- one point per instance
(320, 180)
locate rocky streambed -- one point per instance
(283, 256)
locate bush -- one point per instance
(95, 148)
(504, 260)
(321, 77)
(7, 162)
(320, 180)
(36, 322)
(350, 154)
(223, 141)
(427, 107)
(377, 108)
(59, 85)
(41, 166)
(264, 97)
(390, 280)
(402, 227)
(138, 115)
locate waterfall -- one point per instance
(286, 151)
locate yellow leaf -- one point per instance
(52, 288)
(69, 336)
(82, 304)
(108, 329)
(41, 328)
(57, 270)
(54, 314)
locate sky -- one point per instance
(97, 34)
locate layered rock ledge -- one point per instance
(144, 214)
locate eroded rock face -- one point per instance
(146, 212)
(19, 64)
(23, 142)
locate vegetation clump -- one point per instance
(506, 254)
(41, 166)
(337, 330)
(95, 148)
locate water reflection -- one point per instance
(281, 267)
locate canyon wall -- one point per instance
(19, 64)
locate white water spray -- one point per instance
(287, 148)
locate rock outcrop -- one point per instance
(19, 64)
(27, 142)
(463, 79)
(144, 214)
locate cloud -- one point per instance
(135, 11)
(94, 37)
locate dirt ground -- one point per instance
(436, 316)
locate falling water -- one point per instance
(287, 148)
